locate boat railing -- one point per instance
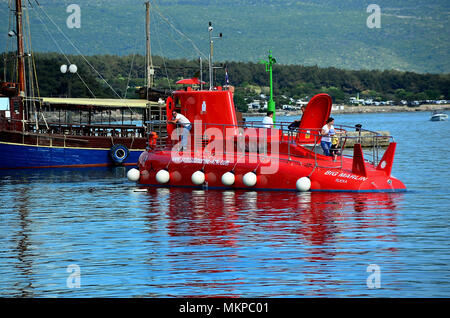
(74, 129)
(308, 138)
(372, 141)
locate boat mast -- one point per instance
(150, 69)
(20, 53)
(210, 57)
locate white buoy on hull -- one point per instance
(228, 179)
(303, 184)
(163, 176)
(198, 178)
(249, 179)
(133, 175)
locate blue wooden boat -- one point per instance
(38, 132)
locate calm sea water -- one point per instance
(88, 233)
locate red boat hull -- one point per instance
(327, 176)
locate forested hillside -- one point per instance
(413, 35)
(290, 80)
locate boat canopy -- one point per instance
(98, 102)
(190, 81)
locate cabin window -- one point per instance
(17, 106)
(4, 103)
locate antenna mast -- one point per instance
(149, 61)
(201, 73)
(211, 51)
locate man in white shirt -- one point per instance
(185, 123)
(268, 120)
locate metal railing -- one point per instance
(74, 129)
(289, 138)
(343, 135)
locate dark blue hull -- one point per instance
(14, 156)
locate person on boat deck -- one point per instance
(296, 123)
(179, 119)
(268, 120)
(327, 132)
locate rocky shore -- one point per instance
(391, 109)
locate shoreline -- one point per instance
(366, 109)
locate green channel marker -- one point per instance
(269, 64)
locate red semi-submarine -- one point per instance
(224, 153)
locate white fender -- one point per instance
(198, 178)
(163, 176)
(249, 179)
(133, 175)
(303, 184)
(228, 179)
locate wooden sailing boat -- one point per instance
(38, 132)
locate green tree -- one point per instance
(239, 102)
(336, 94)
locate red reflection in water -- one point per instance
(208, 217)
(218, 217)
(311, 222)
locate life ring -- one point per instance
(119, 153)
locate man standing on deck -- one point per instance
(268, 120)
(179, 119)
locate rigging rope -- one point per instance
(82, 55)
(178, 31)
(32, 65)
(75, 47)
(162, 53)
(131, 69)
(62, 52)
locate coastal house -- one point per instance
(257, 104)
(301, 103)
(356, 101)
(337, 107)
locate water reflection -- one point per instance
(195, 213)
(218, 215)
(239, 233)
(182, 242)
(24, 266)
